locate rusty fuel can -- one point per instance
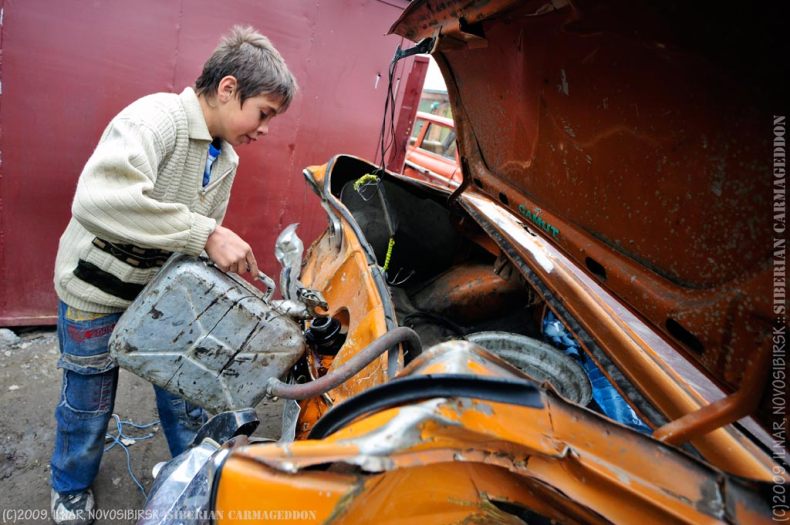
(207, 336)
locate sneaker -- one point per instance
(72, 509)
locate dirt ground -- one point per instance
(29, 388)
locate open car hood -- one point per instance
(638, 138)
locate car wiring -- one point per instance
(118, 439)
(369, 181)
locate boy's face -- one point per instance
(246, 123)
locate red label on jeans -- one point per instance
(81, 335)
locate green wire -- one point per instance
(389, 253)
(364, 179)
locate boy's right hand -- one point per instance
(230, 253)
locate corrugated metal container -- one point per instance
(205, 335)
(66, 68)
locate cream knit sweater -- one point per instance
(142, 186)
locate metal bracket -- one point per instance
(426, 46)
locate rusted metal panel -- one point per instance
(465, 292)
(645, 359)
(67, 69)
(638, 138)
(551, 459)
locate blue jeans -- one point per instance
(87, 397)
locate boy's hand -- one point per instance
(230, 253)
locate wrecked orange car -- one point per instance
(583, 331)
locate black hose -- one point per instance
(412, 389)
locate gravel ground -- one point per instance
(29, 388)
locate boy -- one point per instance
(158, 182)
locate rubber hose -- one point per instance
(401, 334)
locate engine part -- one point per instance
(470, 293)
(540, 361)
(325, 335)
(312, 299)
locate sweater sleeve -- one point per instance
(113, 198)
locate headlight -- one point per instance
(182, 491)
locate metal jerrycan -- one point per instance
(207, 335)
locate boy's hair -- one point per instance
(258, 67)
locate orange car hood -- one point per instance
(636, 137)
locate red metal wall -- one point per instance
(415, 78)
(67, 67)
